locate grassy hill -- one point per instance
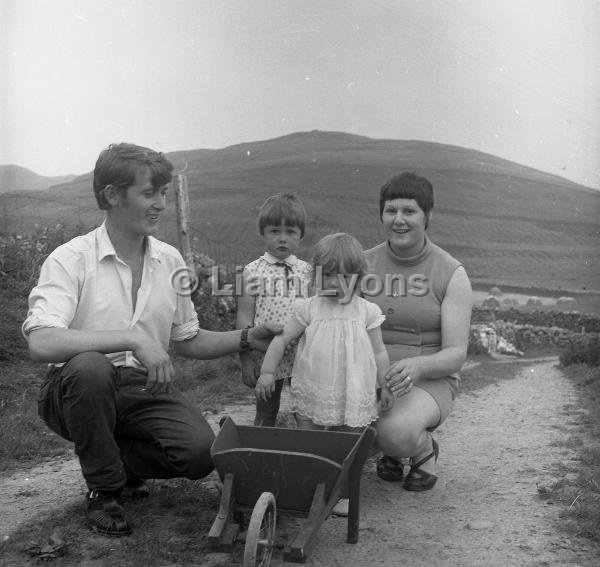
(16, 178)
(509, 224)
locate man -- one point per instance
(103, 314)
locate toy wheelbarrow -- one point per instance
(295, 472)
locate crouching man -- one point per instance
(103, 314)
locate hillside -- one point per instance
(508, 223)
(15, 178)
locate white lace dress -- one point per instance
(334, 377)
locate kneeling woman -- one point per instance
(425, 295)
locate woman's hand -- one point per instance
(402, 375)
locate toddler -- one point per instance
(271, 285)
(341, 358)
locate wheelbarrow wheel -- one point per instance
(260, 536)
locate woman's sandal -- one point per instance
(417, 479)
(390, 469)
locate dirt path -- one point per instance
(499, 444)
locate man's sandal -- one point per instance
(417, 479)
(389, 469)
(105, 514)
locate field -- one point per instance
(510, 225)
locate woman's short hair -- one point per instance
(284, 208)
(339, 253)
(118, 164)
(407, 185)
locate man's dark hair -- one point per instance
(118, 164)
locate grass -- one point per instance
(578, 487)
(24, 438)
(580, 493)
(169, 528)
(487, 371)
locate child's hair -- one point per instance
(118, 164)
(339, 253)
(282, 208)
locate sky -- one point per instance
(519, 79)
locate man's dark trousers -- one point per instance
(119, 429)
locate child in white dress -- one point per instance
(341, 359)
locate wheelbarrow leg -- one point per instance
(367, 439)
(353, 506)
(305, 539)
(223, 531)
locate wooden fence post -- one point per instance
(182, 204)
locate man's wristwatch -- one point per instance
(244, 344)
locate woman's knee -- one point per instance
(399, 437)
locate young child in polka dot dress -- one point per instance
(271, 285)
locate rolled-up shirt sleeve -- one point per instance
(53, 301)
(185, 331)
(185, 322)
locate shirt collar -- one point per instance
(291, 260)
(106, 248)
(152, 248)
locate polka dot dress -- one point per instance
(277, 285)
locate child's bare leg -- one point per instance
(305, 423)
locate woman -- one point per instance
(425, 295)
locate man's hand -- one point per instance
(156, 361)
(260, 337)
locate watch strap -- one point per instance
(244, 344)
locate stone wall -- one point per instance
(569, 320)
